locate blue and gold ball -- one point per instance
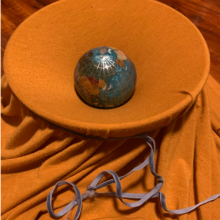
(105, 77)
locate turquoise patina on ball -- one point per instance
(105, 77)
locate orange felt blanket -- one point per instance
(36, 154)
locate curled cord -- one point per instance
(141, 197)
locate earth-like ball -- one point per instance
(104, 77)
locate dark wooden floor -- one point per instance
(205, 14)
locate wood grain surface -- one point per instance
(205, 14)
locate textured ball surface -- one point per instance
(105, 77)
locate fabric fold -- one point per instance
(37, 154)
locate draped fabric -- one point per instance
(37, 154)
